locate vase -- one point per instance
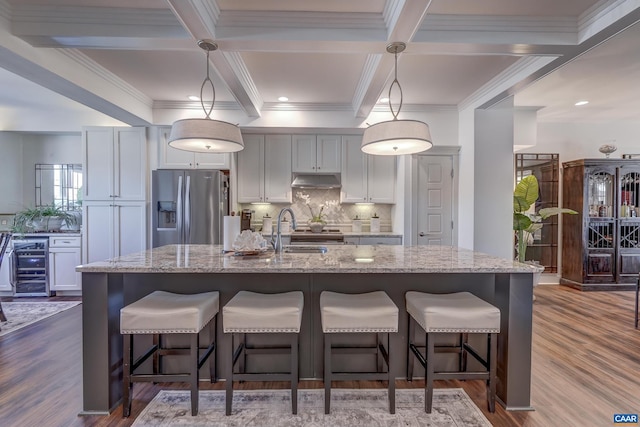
(316, 227)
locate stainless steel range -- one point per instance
(325, 237)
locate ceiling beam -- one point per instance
(200, 22)
(406, 21)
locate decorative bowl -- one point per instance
(607, 149)
(316, 227)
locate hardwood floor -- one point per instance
(586, 365)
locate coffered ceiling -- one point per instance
(120, 61)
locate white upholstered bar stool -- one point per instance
(368, 313)
(161, 313)
(460, 312)
(257, 313)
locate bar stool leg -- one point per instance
(411, 332)
(229, 378)
(213, 335)
(428, 380)
(128, 358)
(294, 374)
(195, 372)
(392, 379)
(464, 339)
(493, 365)
(327, 374)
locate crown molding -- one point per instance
(368, 71)
(499, 23)
(194, 105)
(93, 67)
(92, 15)
(285, 19)
(244, 78)
(603, 14)
(505, 78)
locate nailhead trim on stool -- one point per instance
(372, 312)
(257, 313)
(460, 312)
(162, 313)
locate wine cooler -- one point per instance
(30, 267)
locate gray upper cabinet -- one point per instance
(316, 153)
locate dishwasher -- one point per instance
(30, 267)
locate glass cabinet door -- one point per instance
(629, 194)
(601, 194)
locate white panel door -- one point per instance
(130, 164)
(251, 170)
(129, 228)
(62, 269)
(172, 158)
(212, 160)
(97, 158)
(435, 198)
(381, 179)
(303, 153)
(353, 171)
(277, 169)
(97, 236)
(328, 153)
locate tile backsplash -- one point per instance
(336, 214)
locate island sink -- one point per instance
(305, 249)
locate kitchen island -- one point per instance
(112, 284)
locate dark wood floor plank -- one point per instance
(586, 356)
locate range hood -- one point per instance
(308, 180)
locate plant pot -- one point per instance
(316, 227)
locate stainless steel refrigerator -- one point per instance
(189, 206)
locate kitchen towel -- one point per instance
(230, 230)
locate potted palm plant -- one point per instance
(525, 222)
(42, 218)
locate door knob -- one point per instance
(421, 234)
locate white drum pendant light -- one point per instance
(206, 135)
(396, 137)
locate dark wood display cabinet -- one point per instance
(601, 245)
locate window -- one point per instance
(59, 185)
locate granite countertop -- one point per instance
(338, 259)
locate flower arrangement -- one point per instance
(319, 217)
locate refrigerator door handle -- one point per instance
(187, 211)
(179, 209)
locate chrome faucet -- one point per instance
(277, 242)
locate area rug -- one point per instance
(349, 408)
(21, 314)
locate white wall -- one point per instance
(10, 172)
(582, 140)
(19, 153)
(493, 180)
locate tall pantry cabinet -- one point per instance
(601, 245)
(114, 191)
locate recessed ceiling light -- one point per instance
(383, 100)
(283, 99)
(193, 98)
(579, 103)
